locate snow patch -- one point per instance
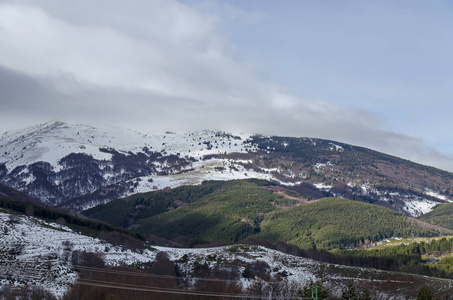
(322, 186)
(335, 147)
(417, 207)
(435, 194)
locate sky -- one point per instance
(377, 74)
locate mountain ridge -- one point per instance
(79, 166)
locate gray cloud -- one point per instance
(154, 66)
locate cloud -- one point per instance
(158, 65)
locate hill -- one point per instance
(339, 223)
(18, 203)
(9, 193)
(47, 260)
(233, 210)
(429, 256)
(442, 215)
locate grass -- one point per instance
(408, 240)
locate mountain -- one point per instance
(79, 166)
(234, 210)
(56, 162)
(43, 253)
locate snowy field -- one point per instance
(52, 141)
(39, 253)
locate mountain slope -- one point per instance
(442, 215)
(13, 194)
(233, 210)
(38, 254)
(214, 211)
(357, 173)
(339, 223)
(79, 166)
(56, 162)
(46, 255)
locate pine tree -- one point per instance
(425, 293)
(323, 291)
(350, 293)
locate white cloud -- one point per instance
(158, 65)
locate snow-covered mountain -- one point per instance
(50, 142)
(80, 166)
(56, 162)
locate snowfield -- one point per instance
(39, 253)
(417, 207)
(52, 141)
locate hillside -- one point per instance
(126, 212)
(9, 193)
(339, 223)
(57, 162)
(40, 253)
(215, 211)
(51, 260)
(233, 210)
(41, 257)
(17, 203)
(429, 256)
(442, 215)
(357, 173)
(77, 166)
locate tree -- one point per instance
(425, 293)
(323, 291)
(350, 293)
(29, 211)
(365, 295)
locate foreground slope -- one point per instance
(35, 253)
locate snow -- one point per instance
(268, 169)
(365, 188)
(336, 147)
(52, 141)
(322, 186)
(319, 166)
(435, 194)
(45, 244)
(204, 170)
(418, 207)
(300, 269)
